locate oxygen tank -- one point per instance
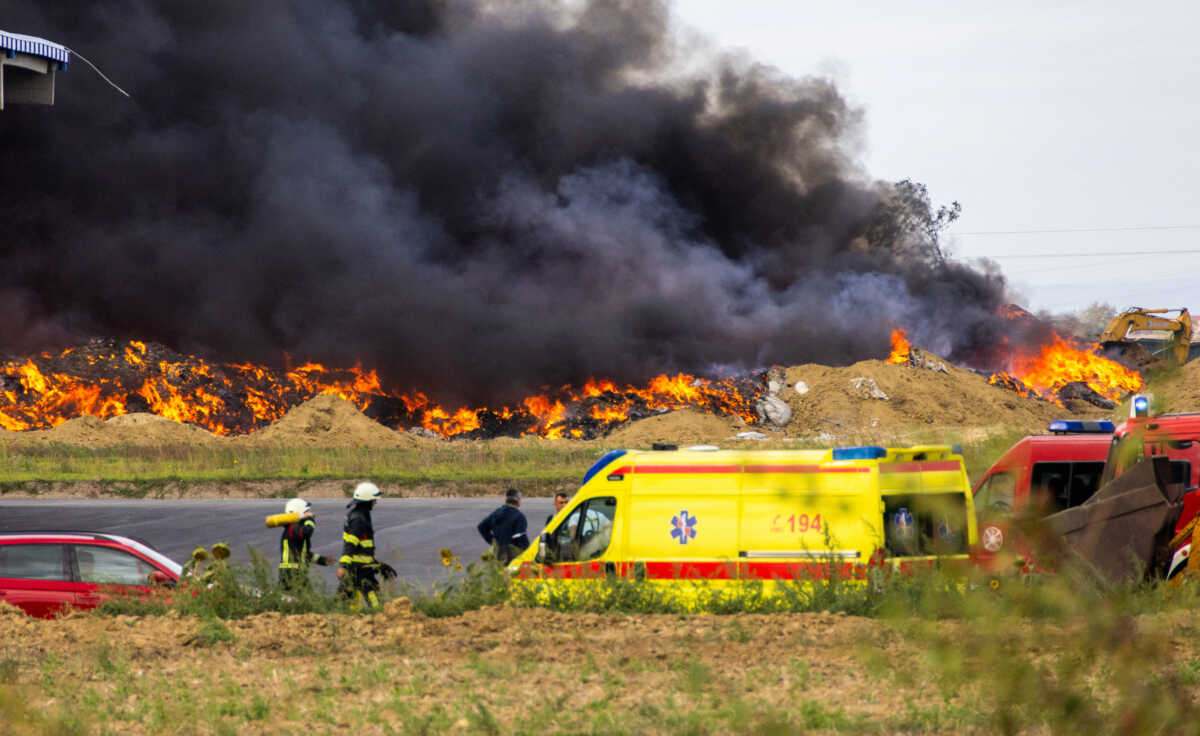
(282, 519)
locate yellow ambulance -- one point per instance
(722, 515)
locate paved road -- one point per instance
(408, 531)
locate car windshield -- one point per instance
(155, 555)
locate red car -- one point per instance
(45, 573)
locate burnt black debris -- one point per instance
(109, 377)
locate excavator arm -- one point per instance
(1137, 319)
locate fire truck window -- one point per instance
(32, 562)
(597, 529)
(106, 565)
(1085, 480)
(1049, 487)
(996, 493)
(1181, 472)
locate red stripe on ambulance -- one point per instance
(921, 467)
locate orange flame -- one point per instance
(1060, 363)
(238, 397)
(901, 347)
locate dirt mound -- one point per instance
(128, 429)
(683, 427)
(331, 421)
(900, 400)
(870, 402)
(1180, 392)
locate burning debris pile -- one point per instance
(106, 378)
(1068, 370)
(1057, 370)
(903, 353)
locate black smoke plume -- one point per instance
(475, 198)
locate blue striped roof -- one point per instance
(34, 45)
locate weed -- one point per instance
(799, 672)
(10, 669)
(480, 584)
(258, 709)
(1189, 673)
(482, 719)
(816, 715)
(738, 633)
(105, 661)
(488, 669)
(210, 633)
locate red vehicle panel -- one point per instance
(46, 573)
(1066, 469)
(1068, 464)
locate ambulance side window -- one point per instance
(996, 493)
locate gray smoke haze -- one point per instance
(475, 198)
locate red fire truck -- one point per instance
(1045, 475)
(1070, 460)
(1177, 436)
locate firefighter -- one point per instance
(357, 566)
(505, 527)
(295, 554)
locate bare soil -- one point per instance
(918, 400)
(619, 663)
(505, 670)
(1180, 390)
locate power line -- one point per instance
(1092, 254)
(97, 70)
(1136, 228)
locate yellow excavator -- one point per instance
(1120, 336)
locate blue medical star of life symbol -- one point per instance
(683, 527)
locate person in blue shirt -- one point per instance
(505, 528)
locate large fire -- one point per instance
(1043, 371)
(1055, 365)
(106, 379)
(1047, 370)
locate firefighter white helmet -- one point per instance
(366, 491)
(297, 506)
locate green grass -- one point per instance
(138, 471)
(464, 468)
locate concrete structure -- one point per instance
(27, 68)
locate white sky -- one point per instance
(1032, 115)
